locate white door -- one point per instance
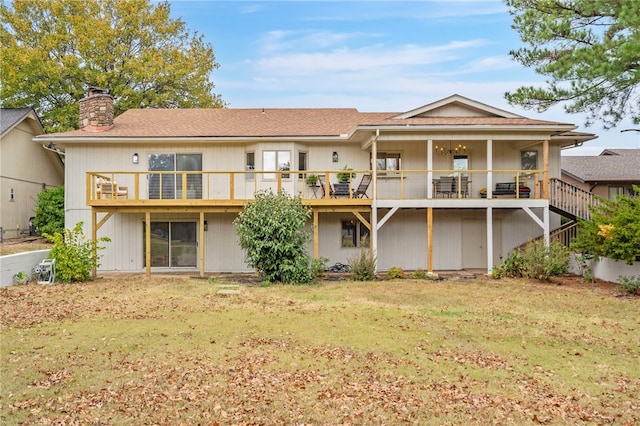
(474, 243)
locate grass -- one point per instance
(170, 350)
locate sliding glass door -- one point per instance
(173, 244)
(169, 185)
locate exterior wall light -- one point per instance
(135, 159)
(206, 226)
(334, 156)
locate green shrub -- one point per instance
(75, 255)
(629, 285)
(613, 231)
(535, 261)
(419, 274)
(318, 266)
(363, 266)
(395, 273)
(511, 266)
(272, 232)
(49, 213)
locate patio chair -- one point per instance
(111, 190)
(361, 190)
(444, 186)
(322, 188)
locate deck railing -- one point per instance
(167, 187)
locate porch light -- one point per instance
(460, 149)
(334, 156)
(135, 159)
(206, 226)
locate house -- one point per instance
(612, 173)
(166, 184)
(25, 169)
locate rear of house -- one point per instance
(166, 185)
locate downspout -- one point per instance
(374, 200)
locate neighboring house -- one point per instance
(612, 173)
(166, 184)
(25, 169)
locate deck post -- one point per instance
(545, 160)
(489, 239)
(316, 234)
(430, 240)
(202, 244)
(430, 168)
(374, 199)
(94, 238)
(147, 243)
(489, 168)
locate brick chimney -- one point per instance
(96, 111)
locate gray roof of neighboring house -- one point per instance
(9, 117)
(611, 165)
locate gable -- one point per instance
(457, 106)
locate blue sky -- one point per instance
(370, 55)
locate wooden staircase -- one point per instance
(569, 200)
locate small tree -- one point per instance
(75, 255)
(613, 231)
(49, 215)
(272, 233)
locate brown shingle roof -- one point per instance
(273, 122)
(624, 165)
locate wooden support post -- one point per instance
(316, 246)
(94, 238)
(202, 244)
(545, 178)
(147, 243)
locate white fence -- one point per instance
(606, 269)
(19, 262)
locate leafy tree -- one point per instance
(49, 215)
(75, 255)
(590, 50)
(614, 229)
(272, 232)
(53, 49)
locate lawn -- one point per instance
(171, 350)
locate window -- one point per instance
(250, 164)
(614, 191)
(276, 161)
(461, 162)
(529, 160)
(302, 163)
(354, 234)
(169, 185)
(388, 161)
